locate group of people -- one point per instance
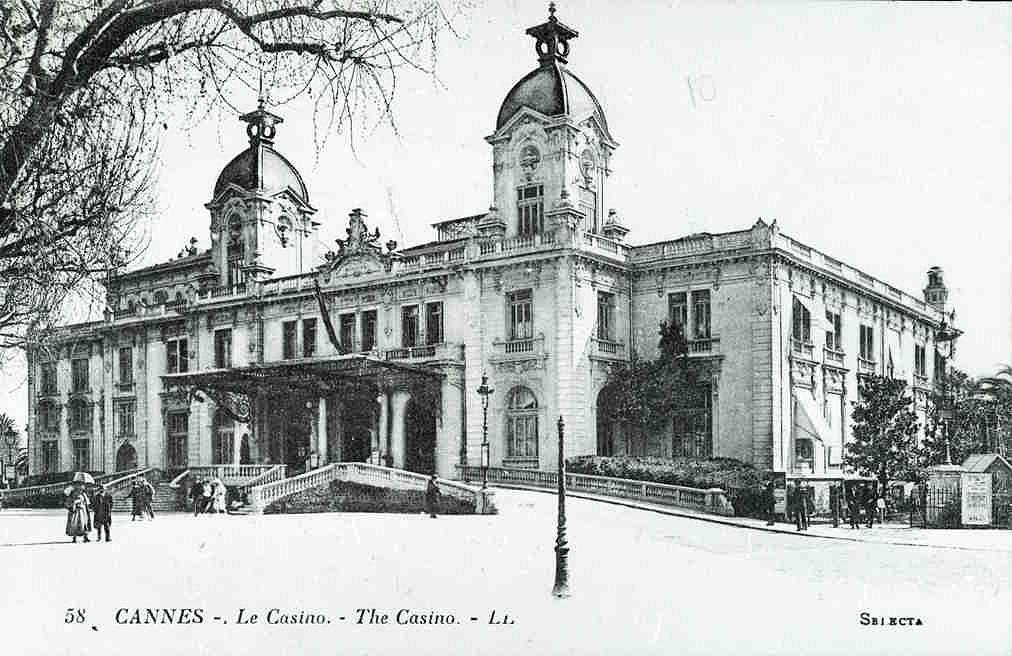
(863, 503)
(141, 494)
(209, 496)
(85, 514)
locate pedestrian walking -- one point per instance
(432, 495)
(854, 506)
(207, 504)
(870, 502)
(78, 513)
(880, 506)
(197, 497)
(136, 501)
(219, 496)
(148, 494)
(103, 513)
(800, 506)
(770, 501)
(834, 503)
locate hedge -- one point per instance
(742, 481)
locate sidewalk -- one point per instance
(985, 539)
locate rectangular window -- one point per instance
(678, 310)
(223, 348)
(802, 322)
(177, 356)
(49, 416)
(126, 365)
(867, 350)
(530, 209)
(920, 366)
(79, 374)
(125, 419)
(82, 455)
(308, 338)
(47, 378)
(409, 326)
(288, 340)
(939, 366)
(522, 440)
(692, 428)
(520, 314)
(368, 330)
(833, 335)
(179, 426)
(606, 316)
(701, 314)
(79, 415)
(347, 334)
(50, 457)
(434, 323)
(588, 203)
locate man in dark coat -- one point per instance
(770, 501)
(136, 501)
(834, 503)
(197, 495)
(800, 506)
(432, 497)
(870, 499)
(855, 500)
(103, 513)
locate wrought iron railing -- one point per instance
(713, 500)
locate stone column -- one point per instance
(382, 446)
(336, 436)
(398, 436)
(237, 431)
(448, 432)
(321, 437)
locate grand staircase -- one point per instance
(165, 499)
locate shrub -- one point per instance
(690, 472)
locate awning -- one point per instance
(235, 388)
(809, 421)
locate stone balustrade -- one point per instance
(712, 500)
(17, 496)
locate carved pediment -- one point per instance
(361, 264)
(359, 254)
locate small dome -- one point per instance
(552, 90)
(261, 168)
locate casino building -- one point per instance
(223, 355)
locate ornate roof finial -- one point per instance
(260, 123)
(552, 39)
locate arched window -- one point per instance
(222, 439)
(521, 424)
(79, 415)
(161, 297)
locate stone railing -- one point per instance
(441, 351)
(230, 472)
(713, 500)
(705, 346)
(261, 496)
(608, 347)
(803, 348)
(518, 349)
(855, 276)
(832, 356)
(19, 495)
(865, 366)
(692, 245)
(272, 475)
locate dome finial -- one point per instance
(261, 124)
(552, 39)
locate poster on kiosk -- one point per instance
(780, 493)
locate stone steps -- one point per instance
(164, 500)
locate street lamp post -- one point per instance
(484, 391)
(945, 340)
(561, 587)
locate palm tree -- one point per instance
(9, 440)
(996, 391)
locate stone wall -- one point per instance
(339, 496)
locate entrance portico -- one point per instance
(306, 413)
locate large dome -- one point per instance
(552, 90)
(261, 168)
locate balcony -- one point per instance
(703, 346)
(866, 367)
(608, 347)
(803, 348)
(832, 356)
(125, 387)
(441, 351)
(921, 382)
(514, 350)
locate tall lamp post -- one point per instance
(561, 587)
(10, 438)
(945, 340)
(484, 391)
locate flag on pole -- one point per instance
(325, 315)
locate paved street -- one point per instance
(641, 583)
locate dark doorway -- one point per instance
(420, 439)
(126, 457)
(359, 419)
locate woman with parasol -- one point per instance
(79, 507)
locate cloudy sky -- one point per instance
(879, 133)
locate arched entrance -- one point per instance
(126, 457)
(605, 429)
(420, 438)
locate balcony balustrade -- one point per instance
(441, 351)
(866, 366)
(803, 348)
(608, 347)
(531, 348)
(703, 345)
(832, 356)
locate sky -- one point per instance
(878, 133)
